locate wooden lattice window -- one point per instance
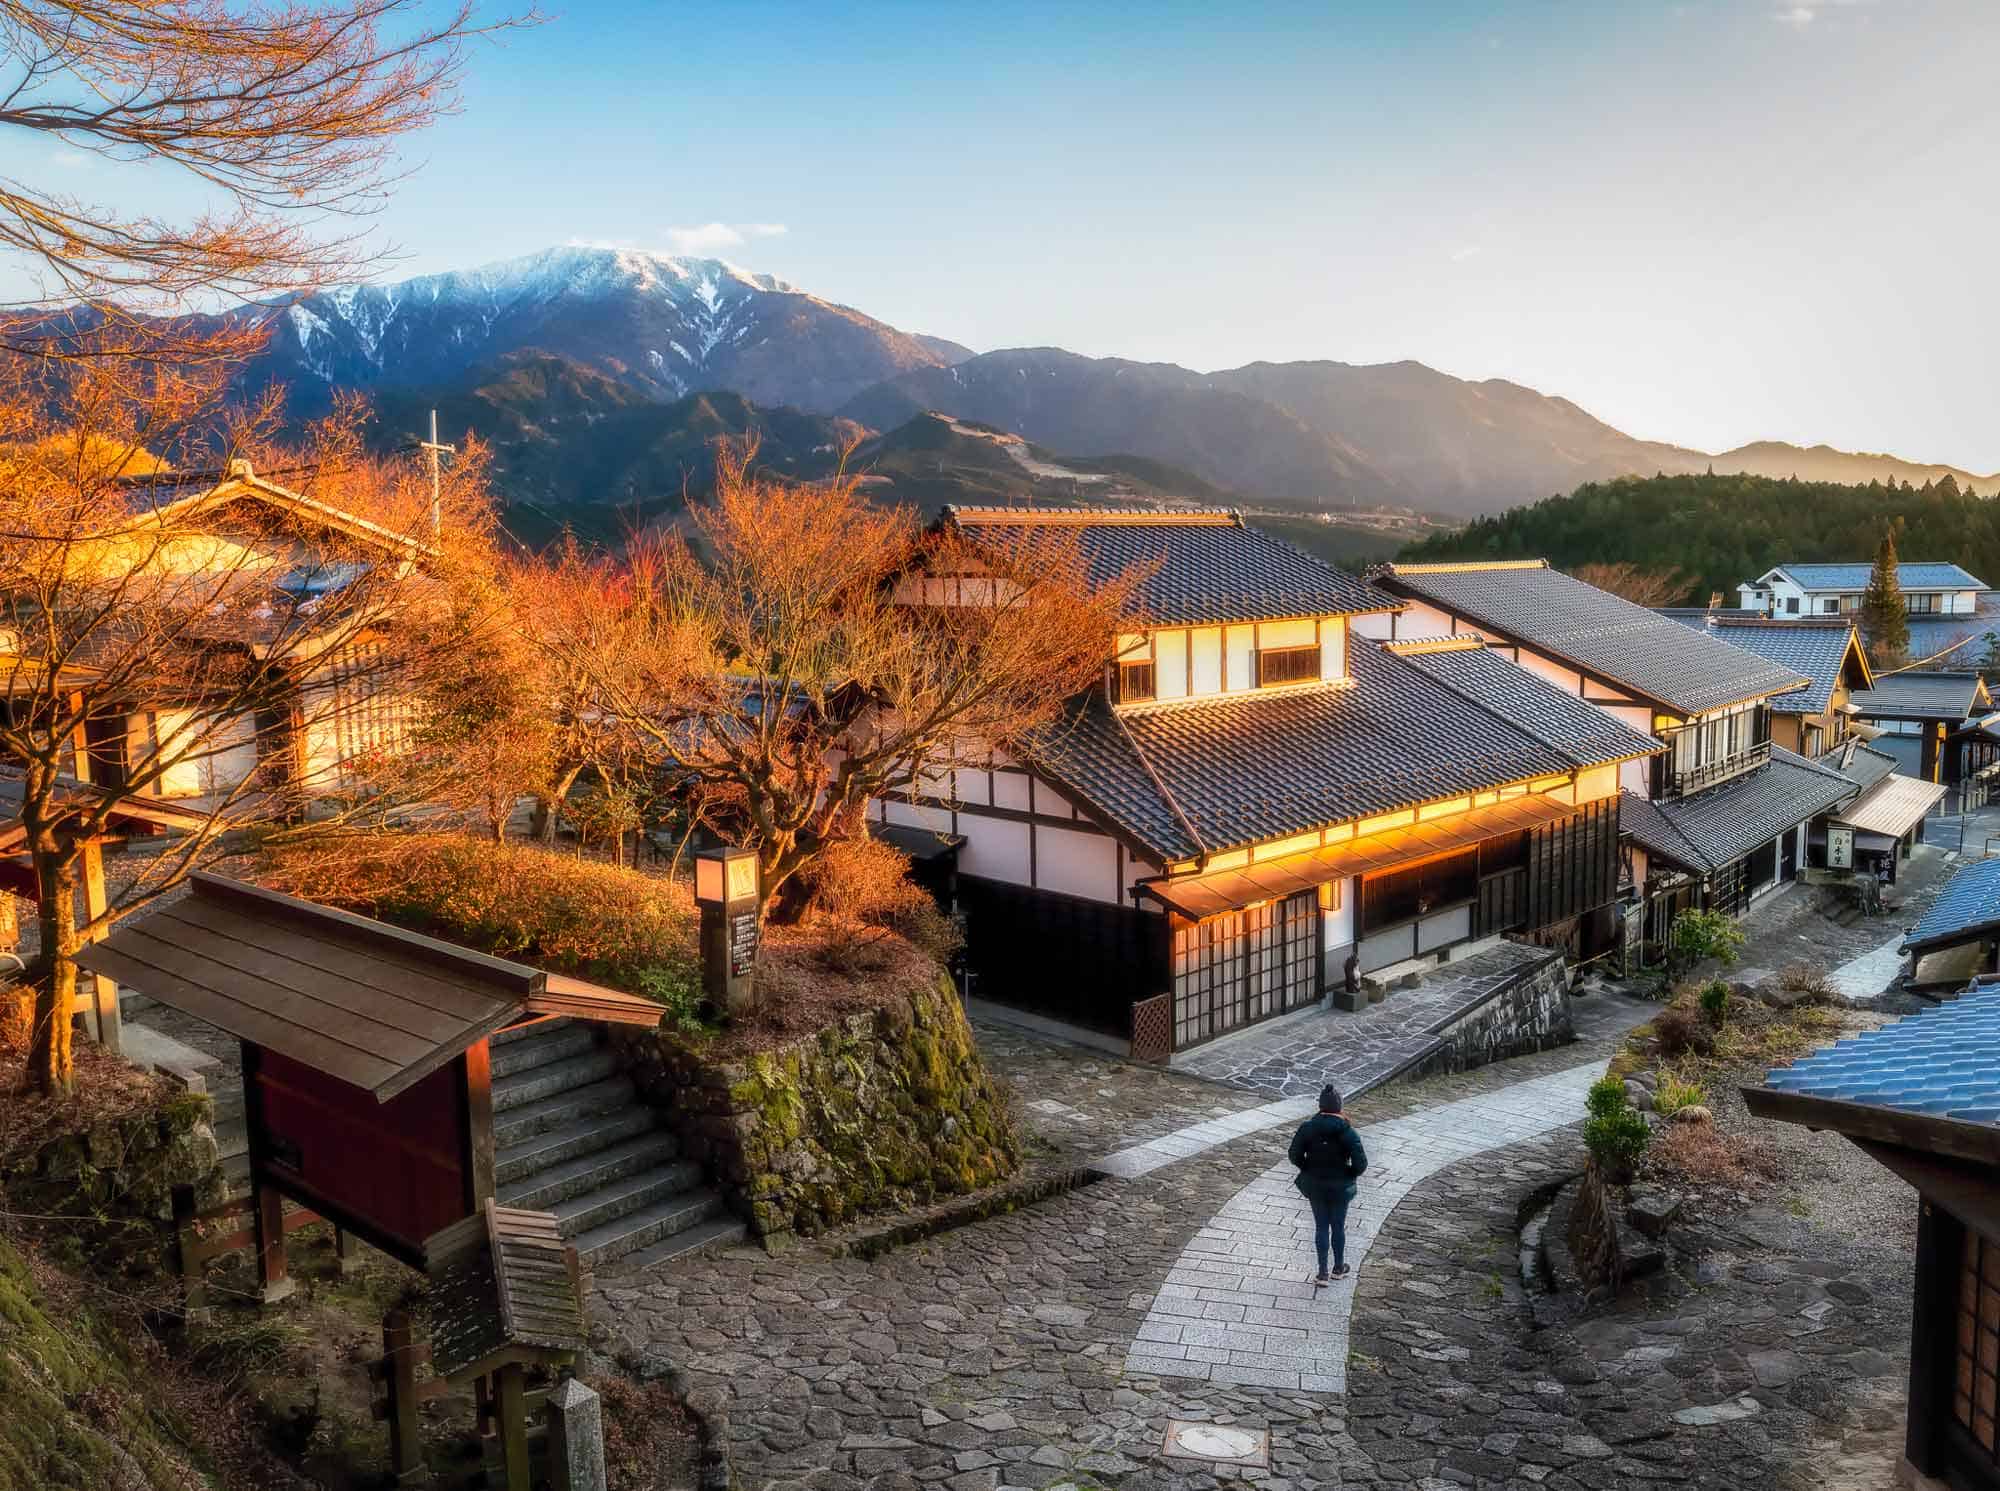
(1976, 1381)
(1276, 665)
(1137, 682)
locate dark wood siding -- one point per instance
(1072, 959)
(399, 1169)
(1573, 865)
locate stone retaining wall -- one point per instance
(117, 1181)
(1529, 1012)
(884, 1110)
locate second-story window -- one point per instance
(1137, 682)
(1276, 665)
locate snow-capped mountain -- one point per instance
(668, 326)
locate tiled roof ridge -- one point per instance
(1416, 646)
(979, 515)
(1464, 566)
(1757, 618)
(1793, 758)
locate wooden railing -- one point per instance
(1671, 783)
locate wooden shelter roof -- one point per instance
(357, 999)
(504, 1284)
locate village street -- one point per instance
(1052, 1345)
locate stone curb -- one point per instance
(1008, 1196)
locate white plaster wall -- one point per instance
(1077, 864)
(1010, 790)
(1339, 919)
(1240, 642)
(1170, 664)
(995, 849)
(1206, 644)
(1288, 633)
(1333, 649)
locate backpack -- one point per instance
(1327, 1154)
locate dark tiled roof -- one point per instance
(1211, 566)
(1585, 734)
(1937, 1062)
(1214, 775)
(1916, 576)
(1863, 765)
(1969, 902)
(1948, 696)
(1716, 827)
(1928, 638)
(1686, 670)
(1811, 649)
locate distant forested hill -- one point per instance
(1718, 531)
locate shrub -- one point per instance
(1672, 1095)
(1704, 934)
(1606, 1096)
(1702, 1154)
(1680, 1031)
(678, 991)
(513, 900)
(1617, 1139)
(1805, 978)
(1715, 1001)
(859, 890)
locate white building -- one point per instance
(1835, 589)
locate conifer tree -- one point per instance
(1885, 620)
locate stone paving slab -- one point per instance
(1239, 1307)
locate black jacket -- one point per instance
(1328, 1153)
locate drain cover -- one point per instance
(1219, 1444)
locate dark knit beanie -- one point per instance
(1329, 1099)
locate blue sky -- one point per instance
(1705, 222)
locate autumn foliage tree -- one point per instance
(1641, 586)
(167, 639)
(773, 651)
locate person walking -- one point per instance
(1328, 1155)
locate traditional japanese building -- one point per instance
(1257, 802)
(1719, 817)
(1874, 832)
(1941, 727)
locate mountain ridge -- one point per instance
(1306, 436)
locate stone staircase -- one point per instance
(572, 1137)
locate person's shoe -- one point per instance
(1340, 1271)
(1320, 1281)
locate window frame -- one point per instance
(1306, 652)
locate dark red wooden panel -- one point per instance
(398, 1169)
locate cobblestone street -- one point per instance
(1008, 1353)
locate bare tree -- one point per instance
(788, 651)
(1642, 587)
(200, 652)
(287, 111)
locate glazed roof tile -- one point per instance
(1209, 565)
(1968, 904)
(1919, 575)
(1655, 656)
(1722, 824)
(1937, 1062)
(1212, 775)
(1950, 696)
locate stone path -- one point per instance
(1238, 1307)
(1871, 973)
(1294, 1056)
(1603, 1016)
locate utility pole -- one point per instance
(432, 450)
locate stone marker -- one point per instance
(576, 1438)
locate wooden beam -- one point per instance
(106, 1024)
(1920, 1133)
(478, 1089)
(273, 1278)
(512, 1408)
